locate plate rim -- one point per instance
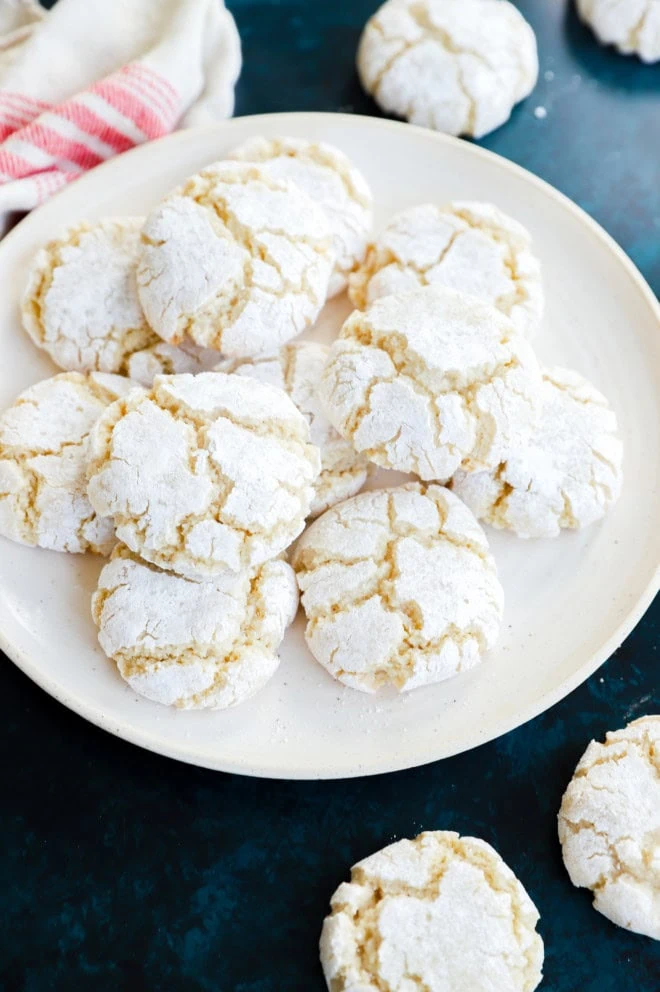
(189, 755)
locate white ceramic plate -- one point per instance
(569, 602)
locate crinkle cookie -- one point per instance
(204, 473)
(399, 588)
(235, 260)
(169, 359)
(568, 473)
(443, 913)
(471, 247)
(329, 177)
(81, 303)
(43, 448)
(632, 26)
(297, 370)
(428, 380)
(609, 826)
(458, 66)
(188, 643)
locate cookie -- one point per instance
(235, 260)
(632, 26)
(568, 473)
(399, 588)
(471, 247)
(609, 825)
(458, 66)
(430, 380)
(43, 450)
(169, 359)
(193, 644)
(204, 473)
(81, 304)
(331, 181)
(297, 369)
(440, 912)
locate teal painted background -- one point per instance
(120, 870)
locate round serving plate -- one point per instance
(569, 602)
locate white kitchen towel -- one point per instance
(92, 78)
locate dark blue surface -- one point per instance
(121, 870)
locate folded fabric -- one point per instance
(92, 78)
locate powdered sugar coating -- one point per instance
(331, 180)
(297, 370)
(632, 26)
(191, 644)
(609, 826)
(440, 913)
(81, 302)
(204, 473)
(235, 260)
(399, 588)
(169, 359)
(428, 380)
(458, 66)
(471, 247)
(43, 450)
(568, 473)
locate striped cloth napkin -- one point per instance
(91, 78)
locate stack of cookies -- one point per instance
(192, 438)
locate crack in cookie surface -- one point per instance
(609, 825)
(439, 911)
(431, 379)
(456, 65)
(468, 246)
(399, 588)
(204, 473)
(331, 180)
(235, 260)
(567, 475)
(297, 369)
(81, 302)
(43, 450)
(193, 644)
